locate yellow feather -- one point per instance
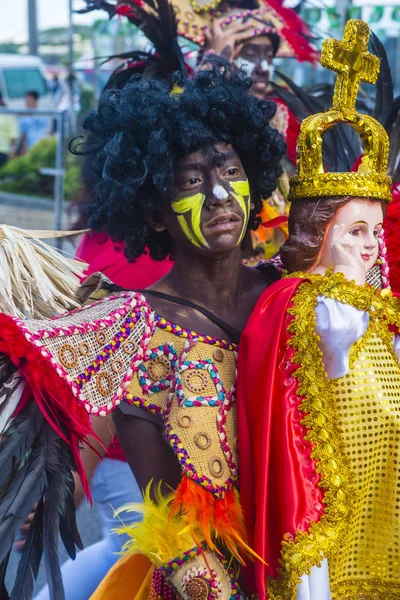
(160, 536)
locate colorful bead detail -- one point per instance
(204, 576)
(109, 350)
(200, 400)
(221, 425)
(177, 562)
(236, 592)
(200, 571)
(177, 446)
(132, 400)
(204, 7)
(180, 332)
(131, 307)
(192, 335)
(189, 469)
(160, 590)
(152, 387)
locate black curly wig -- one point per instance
(138, 133)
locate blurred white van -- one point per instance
(20, 74)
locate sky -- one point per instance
(51, 13)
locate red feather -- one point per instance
(276, 222)
(222, 519)
(295, 31)
(61, 409)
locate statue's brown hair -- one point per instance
(308, 221)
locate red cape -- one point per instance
(278, 479)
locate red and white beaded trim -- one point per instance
(132, 301)
(221, 426)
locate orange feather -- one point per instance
(218, 519)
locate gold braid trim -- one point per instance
(371, 590)
(323, 539)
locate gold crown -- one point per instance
(353, 63)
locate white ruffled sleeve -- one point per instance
(315, 586)
(338, 326)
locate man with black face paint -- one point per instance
(187, 183)
(247, 35)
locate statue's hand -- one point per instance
(346, 255)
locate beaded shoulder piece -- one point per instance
(96, 348)
(117, 349)
(189, 381)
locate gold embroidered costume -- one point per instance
(117, 350)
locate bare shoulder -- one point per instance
(255, 282)
(257, 279)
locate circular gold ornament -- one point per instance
(117, 365)
(158, 368)
(84, 348)
(189, 17)
(216, 467)
(177, 9)
(68, 357)
(197, 589)
(104, 383)
(202, 440)
(185, 421)
(196, 381)
(129, 346)
(101, 337)
(218, 355)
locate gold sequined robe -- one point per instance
(324, 482)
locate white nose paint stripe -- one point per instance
(267, 68)
(246, 65)
(220, 193)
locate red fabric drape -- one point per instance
(278, 479)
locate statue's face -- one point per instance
(361, 222)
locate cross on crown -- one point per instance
(352, 62)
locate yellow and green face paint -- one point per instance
(241, 193)
(191, 227)
(189, 210)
